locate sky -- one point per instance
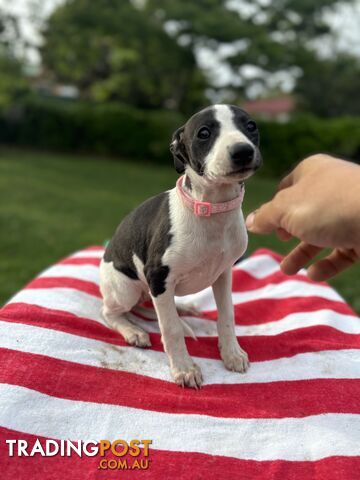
(345, 22)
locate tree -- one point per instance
(146, 52)
(271, 37)
(329, 87)
(12, 81)
(113, 51)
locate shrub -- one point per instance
(123, 131)
(107, 129)
(284, 144)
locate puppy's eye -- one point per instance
(204, 133)
(251, 126)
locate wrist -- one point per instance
(351, 207)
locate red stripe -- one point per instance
(65, 282)
(256, 312)
(259, 347)
(254, 400)
(272, 309)
(80, 261)
(243, 281)
(165, 465)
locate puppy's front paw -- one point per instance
(187, 375)
(234, 358)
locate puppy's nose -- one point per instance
(241, 154)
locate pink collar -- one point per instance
(205, 209)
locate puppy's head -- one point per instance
(220, 143)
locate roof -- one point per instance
(271, 106)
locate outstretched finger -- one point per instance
(299, 257)
(336, 262)
(264, 220)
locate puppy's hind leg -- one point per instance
(120, 293)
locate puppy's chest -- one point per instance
(202, 250)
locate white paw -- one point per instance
(235, 358)
(138, 338)
(187, 375)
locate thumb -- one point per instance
(264, 220)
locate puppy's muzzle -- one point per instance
(243, 157)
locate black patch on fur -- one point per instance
(187, 148)
(240, 119)
(156, 277)
(177, 148)
(145, 232)
(129, 272)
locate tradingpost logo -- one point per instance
(130, 455)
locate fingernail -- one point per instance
(250, 220)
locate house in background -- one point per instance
(44, 85)
(277, 109)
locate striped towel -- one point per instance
(294, 415)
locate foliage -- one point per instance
(272, 36)
(114, 51)
(284, 144)
(330, 87)
(12, 81)
(13, 85)
(143, 52)
(112, 129)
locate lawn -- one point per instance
(53, 204)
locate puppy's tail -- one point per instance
(187, 329)
(150, 314)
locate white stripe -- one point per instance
(87, 351)
(343, 323)
(207, 328)
(88, 254)
(67, 300)
(89, 273)
(259, 266)
(307, 438)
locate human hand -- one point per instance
(318, 203)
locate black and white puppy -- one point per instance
(186, 239)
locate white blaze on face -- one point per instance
(218, 162)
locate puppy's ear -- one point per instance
(177, 148)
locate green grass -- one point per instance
(53, 204)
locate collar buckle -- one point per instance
(202, 209)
